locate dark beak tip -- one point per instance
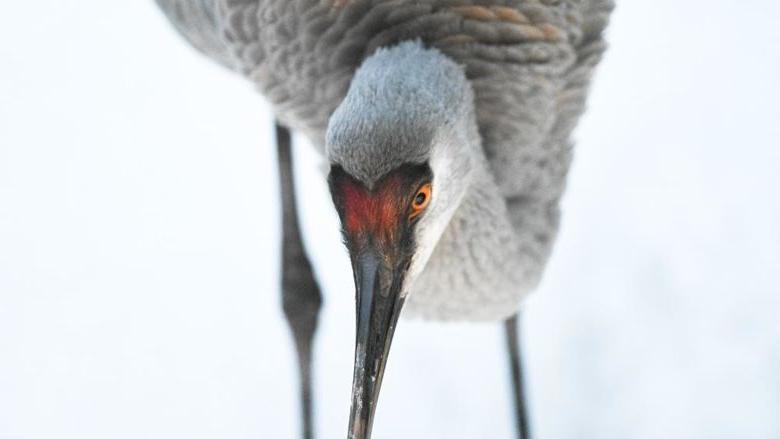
(379, 304)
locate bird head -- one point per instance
(400, 150)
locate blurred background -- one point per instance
(139, 237)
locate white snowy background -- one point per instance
(139, 240)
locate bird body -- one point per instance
(446, 125)
(527, 64)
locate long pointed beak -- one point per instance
(379, 304)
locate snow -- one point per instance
(139, 238)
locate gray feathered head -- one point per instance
(401, 101)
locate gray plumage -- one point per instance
(493, 89)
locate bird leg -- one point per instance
(515, 365)
(301, 298)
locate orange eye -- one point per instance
(421, 200)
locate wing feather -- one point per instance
(200, 23)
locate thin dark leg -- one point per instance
(515, 365)
(301, 298)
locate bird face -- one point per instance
(401, 146)
(380, 227)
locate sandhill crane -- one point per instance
(446, 125)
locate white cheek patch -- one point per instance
(446, 196)
(427, 236)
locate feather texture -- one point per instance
(529, 63)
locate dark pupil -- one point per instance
(419, 199)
